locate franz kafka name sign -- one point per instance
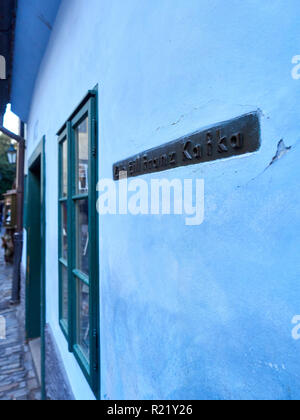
(232, 138)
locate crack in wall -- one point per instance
(45, 22)
(183, 116)
(282, 150)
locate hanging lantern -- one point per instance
(12, 155)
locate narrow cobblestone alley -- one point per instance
(18, 379)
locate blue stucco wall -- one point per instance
(186, 312)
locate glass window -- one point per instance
(64, 296)
(64, 169)
(82, 157)
(83, 318)
(64, 230)
(82, 236)
(78, 241)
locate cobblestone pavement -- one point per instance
(18, 379)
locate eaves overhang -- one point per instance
(34, 23)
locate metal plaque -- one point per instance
(232, 138)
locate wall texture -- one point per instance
(57, 384)
(186, 312)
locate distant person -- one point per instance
(1, 216)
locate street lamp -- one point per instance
(11, 155)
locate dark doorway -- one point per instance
(34, 263)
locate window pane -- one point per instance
(64, 231)
(83, 321)
(82, 236)
(82, 153)
(64, 294)
(64, 169)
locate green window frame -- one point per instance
(78, 238)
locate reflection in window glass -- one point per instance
(8, 215)
(64, 295)
(82, 236)
(64, 163)
(64, 231)
(83, 321)
(82, 157)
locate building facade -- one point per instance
(144, 306)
